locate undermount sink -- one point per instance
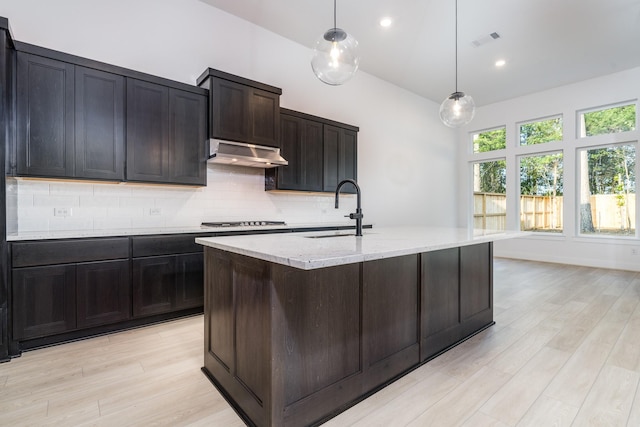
(337, 234)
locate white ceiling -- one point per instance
(546, 43)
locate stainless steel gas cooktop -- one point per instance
(242, 223)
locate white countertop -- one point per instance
(74, 234)
(307, 251)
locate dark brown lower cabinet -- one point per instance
(457, 296)
(47, 298)
(166, 283)
(153, 285)
(103, 293)
(292, 347)
(390, 317)
(189, 280)
(73, 288)
(61, 298)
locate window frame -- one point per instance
(578, 233)
(478, 132)
(519, 194)
(541, 119)
(471, 165)
(579, 113)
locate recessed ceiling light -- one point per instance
(500, 63)
(385, 22)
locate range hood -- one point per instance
(243, 154)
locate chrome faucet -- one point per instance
(358, 215)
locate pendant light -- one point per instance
(457, 109)
(335, 56)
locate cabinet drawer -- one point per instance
(165, 245)
(28, 254)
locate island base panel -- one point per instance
(292, 347)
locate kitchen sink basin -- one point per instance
(337, 234)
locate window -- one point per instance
(490, 140)
(541, 131)
(610, 120)
(541, 185)
(607, 190)
(489, 195)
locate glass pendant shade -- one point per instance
(457, 110)
(335, 57)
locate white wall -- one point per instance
(568, 248)
(407, 158)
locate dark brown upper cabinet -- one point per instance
(72, 122)
(147, 131)
(187, 137)
(321, 153)
(99, 127)
(301, 144)
(45, 117)
(166, 134)
(340, 157)
(241, 109)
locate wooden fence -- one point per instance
(611, 213)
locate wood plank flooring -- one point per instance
(565, 351)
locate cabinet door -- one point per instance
(103, 293)
(476, 286)
(99, 132)
(440, 298)
(45, 116)
(44, 301)
(229, 110)
(339, 158)
(301, 145)
(154, 285)
(187, 137)
(264, 117)
(390, 318)
(347, 156)
(147, 131)
(189, 280)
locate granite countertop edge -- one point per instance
(311, 250)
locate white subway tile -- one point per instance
(26, 225)
(98, 201)
(111, 223)
(148, 222)
(136, 202)
(57, 201)
(71, 188)
(117, 212)
(33, 186)
(70, 223)
(115, 190)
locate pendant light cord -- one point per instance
(456, 26)
(334, 13)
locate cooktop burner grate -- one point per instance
(242, 223)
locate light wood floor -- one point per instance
(565, 350)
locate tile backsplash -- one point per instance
(232, 194)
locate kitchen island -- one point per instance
(299, 327)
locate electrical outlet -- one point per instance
(634, 251)
(155, 211)
(63, 212)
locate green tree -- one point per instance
(541, 175)
(493, 177)
(611, 120)
(541, 132)
(490, 140)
